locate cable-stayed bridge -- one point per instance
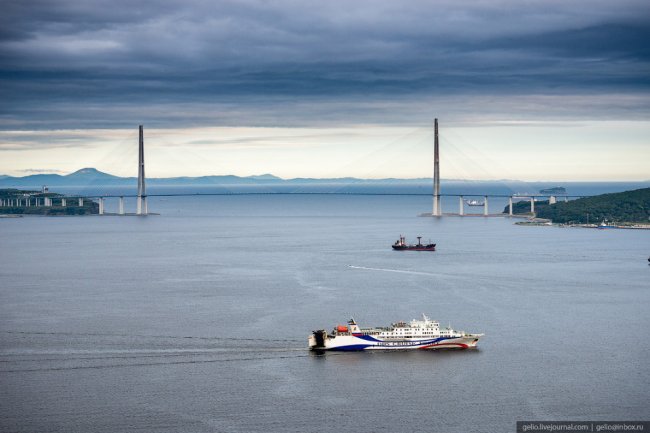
(466, 200)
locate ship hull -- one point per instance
(366, 342)
(407, 248)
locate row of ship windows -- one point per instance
(421, 333)
(407, 332)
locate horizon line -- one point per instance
(270, 176)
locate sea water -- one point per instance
(196, 320)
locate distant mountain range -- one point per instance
(94, 177)
(93, 181)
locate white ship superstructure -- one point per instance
(417, 334)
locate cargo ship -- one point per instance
(417, 334)
(401, 245)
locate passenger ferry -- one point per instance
(417, 334)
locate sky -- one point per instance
(530, 90)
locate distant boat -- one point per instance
(606, 225)
(401, 245)
(474, 203)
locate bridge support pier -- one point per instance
(485, 206)
(101, 206)
(121, 211)
(62, 202)
(532, 205)
(81, 202)
(510, 206)
(461, 206)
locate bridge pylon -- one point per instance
(142, 194)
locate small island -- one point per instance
(20, 202)
(623, 209)
(556, 190)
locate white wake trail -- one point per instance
(399, 271)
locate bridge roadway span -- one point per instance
(47, 201)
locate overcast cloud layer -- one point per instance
(80, 63)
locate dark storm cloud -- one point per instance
(83, 63)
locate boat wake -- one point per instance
(399, 271)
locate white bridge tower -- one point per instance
(142, 194)
(437, 211)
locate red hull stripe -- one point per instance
(464, 346)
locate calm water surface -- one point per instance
(197, 320)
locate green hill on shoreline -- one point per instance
(622, 207)
(19, 198)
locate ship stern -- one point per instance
(317, 339)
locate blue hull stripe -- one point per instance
(351, 347)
